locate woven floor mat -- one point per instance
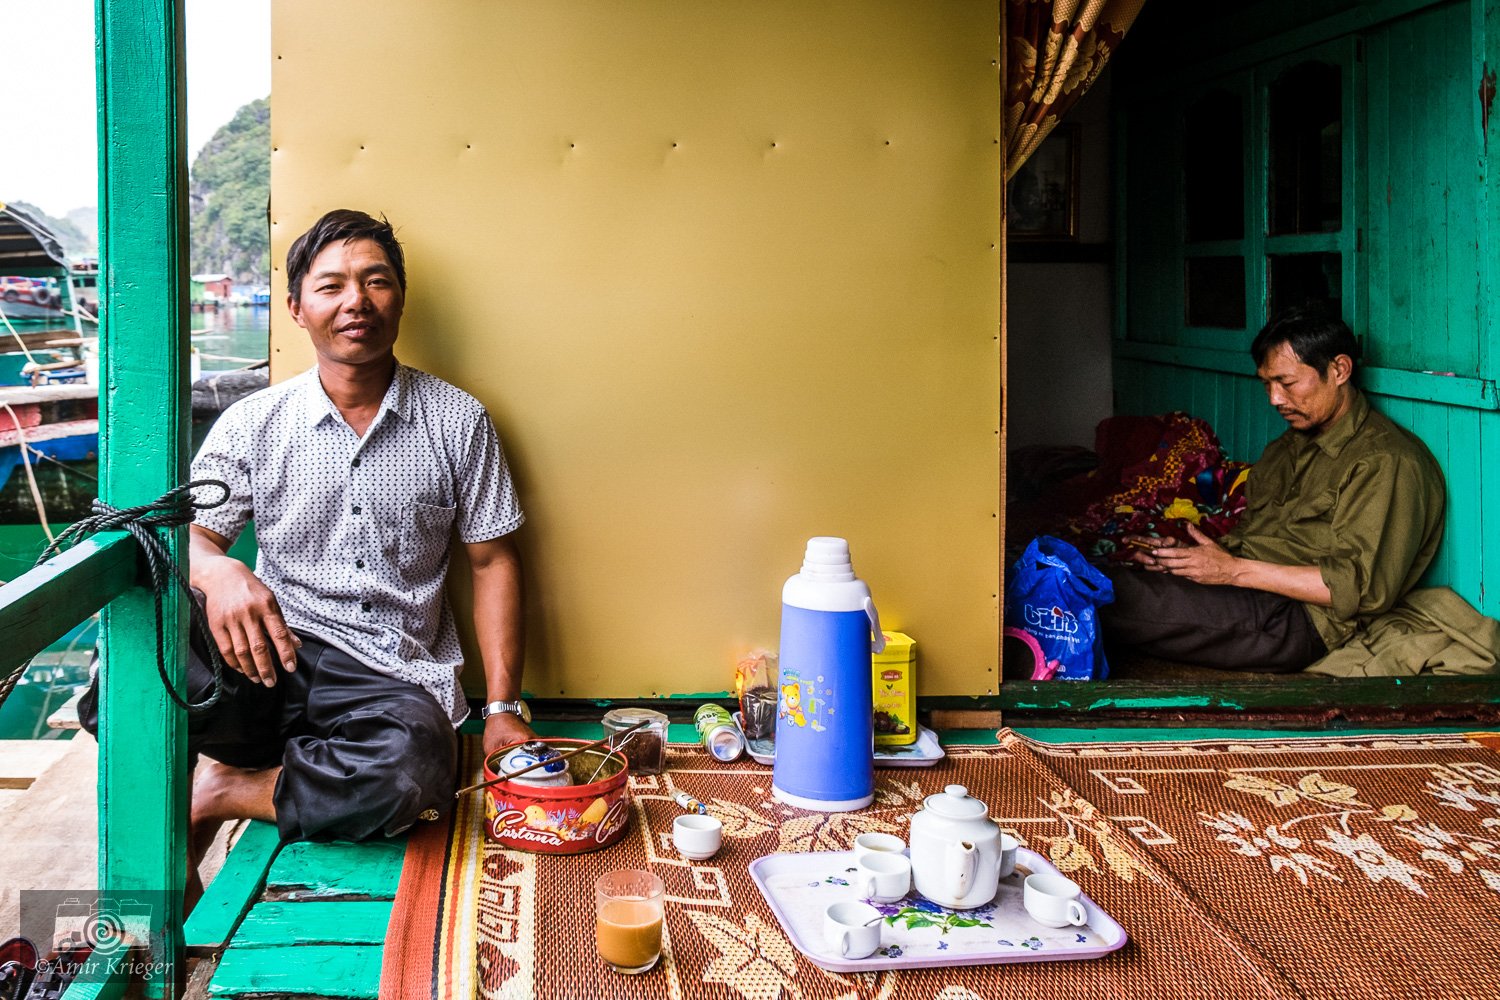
(1359, 867)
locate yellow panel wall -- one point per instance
(726, 275)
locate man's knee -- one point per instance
(377, 774)
(419, 752)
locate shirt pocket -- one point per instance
(1311, 520)
(426, 530)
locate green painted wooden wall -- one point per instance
(1419, 281)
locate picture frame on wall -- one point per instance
(1041, 200)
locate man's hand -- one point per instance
(243, 615)
(503, 729)
(1142, 549)
(1202, 561)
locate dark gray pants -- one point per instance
(1231, 628)
(361, 753)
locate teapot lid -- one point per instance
(954, 802)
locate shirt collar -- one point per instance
(397, 397)
(1332, 440)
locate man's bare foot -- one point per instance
(221, 793)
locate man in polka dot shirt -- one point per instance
(342, 696)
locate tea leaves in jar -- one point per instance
(646, 748)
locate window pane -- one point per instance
(1216, 292)
(1305, 277)
(1214, 168)
(1307, 133)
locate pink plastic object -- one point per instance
(1041, 670)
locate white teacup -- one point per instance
(877, 843)
(697, 837)
(883, 877)
(1008, 847)
(1053, 900)
(851, 929)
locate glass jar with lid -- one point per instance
(646, 748)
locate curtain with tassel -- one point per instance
(1055, 50)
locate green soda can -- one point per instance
(720, 735)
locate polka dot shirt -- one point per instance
(354, 532)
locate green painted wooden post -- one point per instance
(143, 445)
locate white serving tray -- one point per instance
(799, 887)
(925, 752)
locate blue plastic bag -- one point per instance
(1054, 595)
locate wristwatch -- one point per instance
(517, 708)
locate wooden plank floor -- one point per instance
(318, 924)
(316, 927)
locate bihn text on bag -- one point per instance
(1054, 596)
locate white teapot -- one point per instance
(956, 855)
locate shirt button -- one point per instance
(359, 564)
(357, 508)
(365, 606)
(355, 463)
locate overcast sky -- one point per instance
(48, 148)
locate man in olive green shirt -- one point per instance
(1345, 513)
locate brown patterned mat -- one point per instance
(1355, 867)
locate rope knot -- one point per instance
(172, 509)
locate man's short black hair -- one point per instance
(342, 225)
(1313, 331)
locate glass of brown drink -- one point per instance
(629, 909)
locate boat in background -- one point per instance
(49, 393)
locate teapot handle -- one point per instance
(962, 864)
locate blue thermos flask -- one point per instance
(825, 737)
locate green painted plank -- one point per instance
(1308, 30)
(232, 891)
(345, 971)
(143, 437)
(1208, 359)
(1306, 242)
(1485, 56)
(41, 605)
(316, 922)
(1046, 734)
(1489, 490)
(1434, 387)
(1237, 695)
(1461, 164)
(1377, 152)
(367, 870)
(109, 985)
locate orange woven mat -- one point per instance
(1355, 867)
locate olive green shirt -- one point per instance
(1362, 501)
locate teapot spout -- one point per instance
(961, 863)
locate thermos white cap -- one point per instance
(827, 559)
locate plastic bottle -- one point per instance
(825, 742)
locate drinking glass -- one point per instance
(629, 908)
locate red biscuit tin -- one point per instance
(560, 819)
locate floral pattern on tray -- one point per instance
(916, 931)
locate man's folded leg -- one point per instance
(372, 754)
(1231, 628)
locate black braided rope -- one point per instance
(148, 524)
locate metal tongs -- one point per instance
(605, 742)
